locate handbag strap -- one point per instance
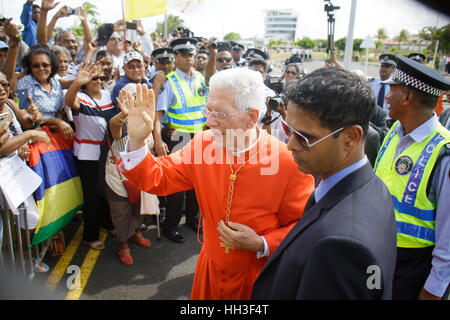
(116, 162)
(104, 117)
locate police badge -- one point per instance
(403, 165)
(201, 92)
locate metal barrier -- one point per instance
(11, 221)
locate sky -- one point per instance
(246, 17)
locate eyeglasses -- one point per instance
(115, 39)
(291, 72)
(134, 66)
(99, 78)
(218, 114)
(5, 85)
(301, 139)
(222, 60)
(38, 66)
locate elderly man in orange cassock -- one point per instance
(248, 187)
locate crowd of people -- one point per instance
(298, 185)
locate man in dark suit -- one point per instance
(344, 246)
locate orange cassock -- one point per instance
(269, 196)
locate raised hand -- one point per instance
(141, 113)
(48, 5)
(86, 72)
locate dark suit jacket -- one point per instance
(378, 122)
(328, 253)
(372, 145)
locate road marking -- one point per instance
(86, 269)
(61, 267)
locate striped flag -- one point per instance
(144, 8)
(60, 194)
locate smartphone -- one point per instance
(73, 11)
(131, 25)
(4, 118)
(23, 98)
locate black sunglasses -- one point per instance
(99, 78)
(222, 60)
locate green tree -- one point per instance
(381, 34)
(357, 44)
(232, 36)
(434, 34)
(321, 43)
(403, 36)
(91, 14)
(172, 23)
(305, 43)
(379, 44)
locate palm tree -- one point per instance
(381, 34)
(403, 36)
(172, 23)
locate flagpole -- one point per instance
(165, 26)
(125, 44)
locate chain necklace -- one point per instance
(233, 178)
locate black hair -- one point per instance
(260, 62)
(423, 100)
(102, 53)
(336, 97)
(39, 49)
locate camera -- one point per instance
(275, 102)
(72, 11)
(214, 45)
(330, 7)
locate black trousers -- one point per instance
(175, 202)
(95, 210)
(411, 272)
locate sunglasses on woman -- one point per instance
(38, 66)
(291, 72)
(301, 139)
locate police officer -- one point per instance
(181, 97)
(164, 59)
(420, 58)
(381, 89)
(414, 163)
(237, 50)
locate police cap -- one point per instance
(417, 57)
(387, 58)
(163, 54)
(418, 76)
(184, 45)
(255, 53)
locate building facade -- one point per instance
(280, 24)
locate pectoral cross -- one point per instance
(227, 247)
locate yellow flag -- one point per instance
(144, 8)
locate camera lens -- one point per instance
(214, 45)
(274, 102)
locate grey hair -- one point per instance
(245, 84)
(57, 50)
(360, 74)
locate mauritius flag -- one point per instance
(60, 194)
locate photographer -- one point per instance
(276, 111)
